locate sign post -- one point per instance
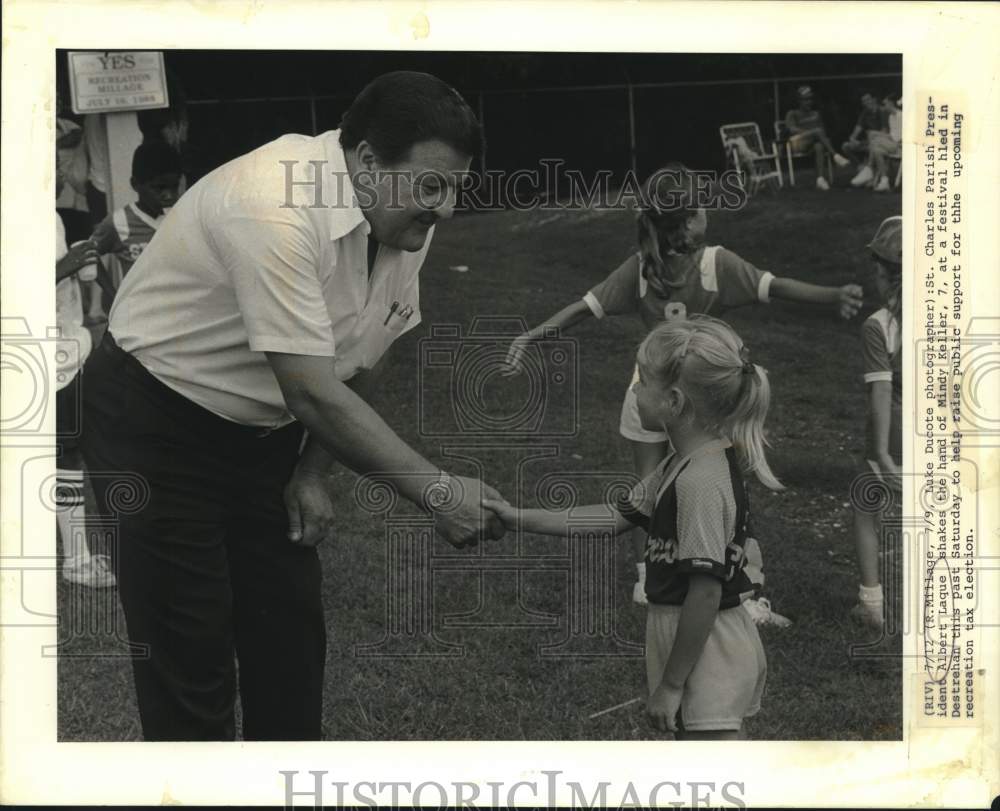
(116, 84)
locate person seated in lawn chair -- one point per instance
(806, 130)
(871, 120)
(883, 146)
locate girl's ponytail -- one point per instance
(729, 395)
(745, 424)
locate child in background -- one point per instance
(672, 276)
(881, 349)
(156, 177)
(72, 349)
(705, 664)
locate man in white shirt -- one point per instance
(263, 306)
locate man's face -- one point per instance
(410, 196)
(869, 103)
(806, 102)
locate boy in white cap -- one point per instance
(881, 349)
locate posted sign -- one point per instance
(116, 81)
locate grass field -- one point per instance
(530, 264)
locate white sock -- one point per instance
(870, 594)
(640, 570)
(69, 499)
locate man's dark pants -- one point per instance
(205, 570)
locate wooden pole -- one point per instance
(123, 136)
(631, 131)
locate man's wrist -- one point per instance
(438, 494)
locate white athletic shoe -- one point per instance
(862, 178)
(639, 593)
(883, 184)
(94, 572)
(840, 160)
(762, 614)
(821, 184)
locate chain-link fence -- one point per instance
(613, 128)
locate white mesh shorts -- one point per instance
(630, 426)
(727, 682)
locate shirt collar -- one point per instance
(345, 212)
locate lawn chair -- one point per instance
(746, 153)
(782, 137)
(897, 158)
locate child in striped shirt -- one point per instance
(156, 176)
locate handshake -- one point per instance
(465, 510)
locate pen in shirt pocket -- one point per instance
(399, 312)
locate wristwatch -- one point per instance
(438, 493)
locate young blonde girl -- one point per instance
(705, 665)
(674, 275)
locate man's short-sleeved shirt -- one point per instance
(125, 233)
(715, 280)
(869, 120)
(803, 120)
(882, 355)
(268, 253)
(696, 511)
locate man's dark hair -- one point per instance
(154, 158)
(400, 109)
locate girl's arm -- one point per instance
(880, 419)
(565, 319)
(848, 298)
(559, 522)
(697, 618)
(76, 258)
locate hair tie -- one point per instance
(747, 368)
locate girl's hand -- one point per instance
(79, 256)
(503, 510)
(515, 355)
(851, 297)
(663, 705)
